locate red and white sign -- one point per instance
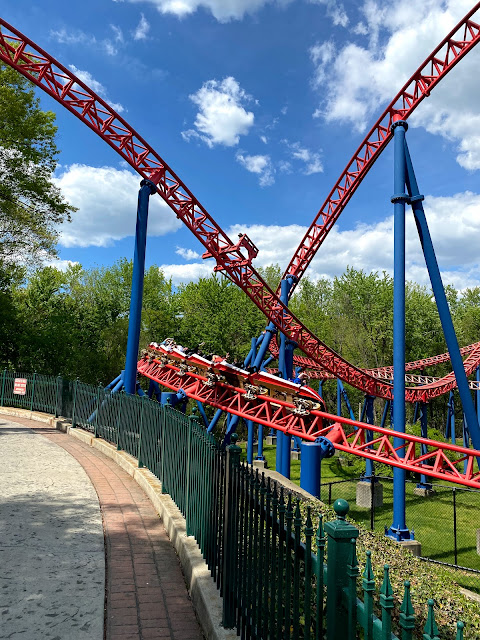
(20, 386)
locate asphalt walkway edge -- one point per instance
(202, 589)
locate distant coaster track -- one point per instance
(235, 259)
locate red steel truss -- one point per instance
(345, 435)
(449, 52)
(234, 259)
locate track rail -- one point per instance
(235, 260)
(434, 460)
(463, 37)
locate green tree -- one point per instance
(31, 206)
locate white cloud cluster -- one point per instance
(222, 10)
(335, 11)
(107, 203)
(261, 165)
(358, 78)
(312, 161)
(142, 29)
(221, 118)
(454, 224)
(187, 254)
(63, 36)
(96, 86)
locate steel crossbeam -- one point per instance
(345, 434)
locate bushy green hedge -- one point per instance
(427, 581)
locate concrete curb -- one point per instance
(203, 592)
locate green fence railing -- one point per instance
(281, 576)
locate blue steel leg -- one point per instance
(415, 413)
(442, 304)
(466, 442)
(399, 530)
(203, 415)
(364, 409)
(386, 411)
(369, 435)
(296, 443)
(339, 398)
(147, 188)
(477, 393)
(450, 426)
(424, 483)
(278, 456)
(286, 455)
(250, 442)
(260, 455)
(344, 395)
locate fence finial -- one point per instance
(407, 614)
(431, 629)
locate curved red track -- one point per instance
(26, 57)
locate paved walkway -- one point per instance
(146, 592)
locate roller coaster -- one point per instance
(258, 397)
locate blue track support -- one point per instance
(296, 443)
(424, 482)
(250, 441)
(399, 529)
(270, 331)
(278, 456)
(286, 455)
(364, 409)
(385, 413)
(265, 363)
(369, 435)
(147, 188)
(213, 422)
(310, 471)
(320, 388)
(113, 383)
(442, 303)
(466, 441)
(450, 425)
(260, 455)
(415, 412)
(342, 393)
(202, 413)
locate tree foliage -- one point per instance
(31, 206)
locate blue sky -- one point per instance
(258, 105)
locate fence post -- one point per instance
(192, 419)
(57, 386)
(340, 534)
(33, 390)
(230, 534)
(75, 385)
(3, 386)
(140, 432)
(95, 428)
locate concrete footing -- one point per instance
(424, 492)
(271, 439)
(478, 542)
(364, 494)
(260, 464)
(414, 546)
(296, 455)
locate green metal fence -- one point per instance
(281, 576)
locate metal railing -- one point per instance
(280, 576)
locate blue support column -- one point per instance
(278, 452)
(339, 398)
(147, 188)
(386, 410)
(415, 412)
(399, 529)
(442, 303)
(466, 442)
(249, 441)
(311, 467)
(369, 435)
(424, 482)
(450, 426)
(260, 455)
(477, 394)
(342, 393)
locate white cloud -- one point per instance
(95, 86)
(61, 265)
(356, 79)
(107, 202)
(118, 33)
(261, 165)
(221, 118)
(142, 29)
(182, 273)
(80, 37)
(311, 159)
(335, 11)
(222, 10)
(187, 254)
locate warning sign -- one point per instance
(20, 386)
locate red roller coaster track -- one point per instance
(292, 418)
(38, 66)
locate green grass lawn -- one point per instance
(431, 518)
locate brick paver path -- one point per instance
(146, 594)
